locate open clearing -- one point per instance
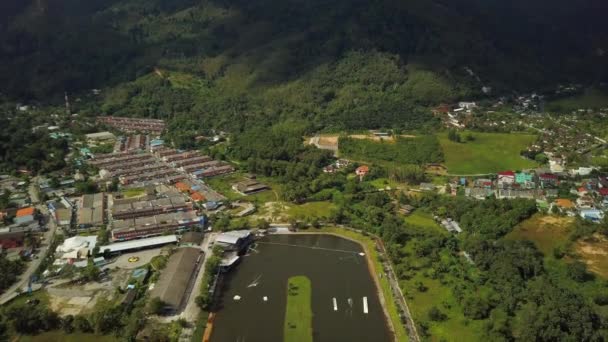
(594, 252)
(488, 153)
(425, 220)
(298, 315)
(547, 232)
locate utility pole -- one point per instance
(67, 104)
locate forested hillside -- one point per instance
(336, 64)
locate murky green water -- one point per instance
(335, 269)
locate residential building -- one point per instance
(249, 187)
(506, 178)
(362, 171)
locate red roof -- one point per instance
(181, 186)
(548, 176)
(603, 191)
(197, 196)
(507, 173)
(582, 189)
(25, 211)
(362, 168)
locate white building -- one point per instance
(77, 247)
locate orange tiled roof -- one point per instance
(197, 196)
(182, 187)
(25, 211)
(564, 203)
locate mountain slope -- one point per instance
(336, 61)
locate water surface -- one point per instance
(334, 268)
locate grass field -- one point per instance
(310, 209)
(489, 153)
(547, 232)
(60, 336)
(592, 98)
(456, 327)
(134, 192)
(298, 315)
(369, 245)
(425, 220)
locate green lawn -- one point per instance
(134, 192)
(298, 315)
(60, 336)
(425, 220)
(310, 209)
(369, 245)
(488, 153)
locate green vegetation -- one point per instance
(134, 192)
(419, 150)
(311, 210)
(9, 271)
(423, 219)
(298, 314)
(591, 98)
(60, 336)
(487, 153)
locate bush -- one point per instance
(436, 315)
(601, 299)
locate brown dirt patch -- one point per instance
(329, 140)
(594, 252)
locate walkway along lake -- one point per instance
(335, 269)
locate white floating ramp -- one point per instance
(335, 304)
(365, 305)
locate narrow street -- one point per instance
(11, 293)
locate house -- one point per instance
(234, 240)
(249, 187)
(77, 247)
(479, 193)
(63, 217)
(603, 192)
(564, 204)
(29, 211)
(556, 165)
(427, 187)
(11, 239)
(548, 180)
(582, 171)
(524, 179)
(592, 215)
(406, 209)
(467, 105)
(197, 197)
(585, 202)
(506, 178)
(100, 137)
(362, 171)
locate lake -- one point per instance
(335, 269)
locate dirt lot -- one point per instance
(68, 299)
(594, 252)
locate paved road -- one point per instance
(11, 293)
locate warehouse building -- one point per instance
(92, 210)
(174, 286)
(135, 245)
